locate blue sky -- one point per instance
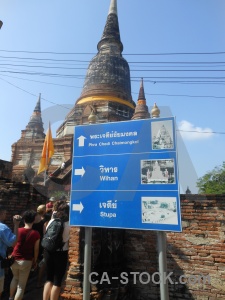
(178, 47)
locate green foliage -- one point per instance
(213, 182)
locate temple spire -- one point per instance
(107, 84)
(34, 128)
(113, 7)
(141, 109)
(141, 95)
(111, 34)
(38, 105)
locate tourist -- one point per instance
(48, 216)
(52, 200)
(56, 262)
(49, 206)
(7, 239)
(40, 223)
(25, 253)
(40, 220)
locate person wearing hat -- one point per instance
(52, 199)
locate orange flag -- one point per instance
(47, 151)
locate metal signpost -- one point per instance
(125, 175)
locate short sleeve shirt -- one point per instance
(24, 249)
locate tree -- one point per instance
(213, 182)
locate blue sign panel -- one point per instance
(125, 175)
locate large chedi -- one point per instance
(105, 97)
(107, 89)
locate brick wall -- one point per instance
(5, 169)
(19, 197)
(198, 250)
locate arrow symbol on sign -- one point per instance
(81, 141)
(78, 207)
(80, 172)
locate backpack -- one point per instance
(52, 239)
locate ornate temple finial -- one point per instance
(113, 7)
(155, 112)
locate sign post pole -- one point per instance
(126, 168)
(87, 263)
(162, 265)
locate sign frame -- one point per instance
(125, 175)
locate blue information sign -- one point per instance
(125, 175)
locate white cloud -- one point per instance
(190, 132)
